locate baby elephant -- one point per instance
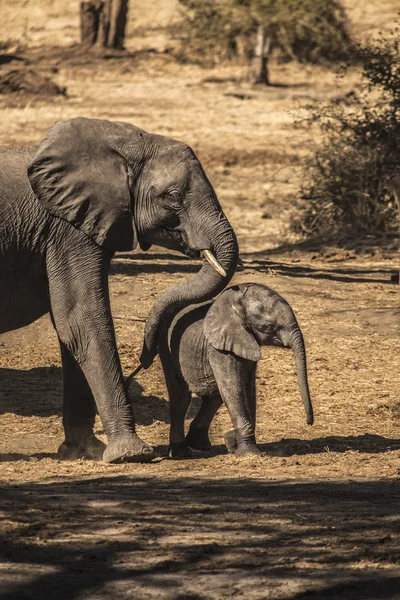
(212, 350)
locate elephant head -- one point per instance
(121, 187)
(248, 316)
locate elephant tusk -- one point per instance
(209, 256)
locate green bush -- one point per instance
(212, 31)
(347, 182)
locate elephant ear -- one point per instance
(224, 326)
(79, 175)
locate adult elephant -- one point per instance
(89, 189)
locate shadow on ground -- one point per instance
(135, 264)
(147, 409)
(17, 387)
(344, 274)
(146, 537)
(362, 244)
(366, 443)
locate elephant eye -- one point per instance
(268, 328)
(173, 199)
(171, 221)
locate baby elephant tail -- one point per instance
(132, 375)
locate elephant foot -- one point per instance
(230, 441)
(132, 449)
(90, 448)
(244, 449)
(198, 439)
(179, 450)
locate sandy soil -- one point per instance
(318, 515)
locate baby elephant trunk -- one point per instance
(298, 347)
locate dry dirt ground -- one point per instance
(318, 515)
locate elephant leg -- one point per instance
(82, 317)
(79, 412)
(179, 400)
(197, 436)
(251, 395)
(230, 436)
(233, 375)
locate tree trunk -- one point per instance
(259, 63)
(103, 22)
(116, 34)
(395, 185)
(89, 17)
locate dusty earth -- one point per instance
(318, 515)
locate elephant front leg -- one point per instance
(230, 436)
(79, 413)
(233, 375)
(82, 317)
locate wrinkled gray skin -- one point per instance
(89, 189)
(212, 351)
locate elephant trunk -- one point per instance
(208, 282)
(298, 347)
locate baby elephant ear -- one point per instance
(224, 327)
(79, 175)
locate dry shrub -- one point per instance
(347, 181)
(212, 31)
(28, 81)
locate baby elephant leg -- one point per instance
(230, 436)
(233, 375)
(179, 400)
(197, 436)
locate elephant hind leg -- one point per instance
(179, 400)
(179, 404)
(90, 448)
(79, 412)
(197, 436)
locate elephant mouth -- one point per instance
(192, 253)
(275, 341)
(144, 246)
(174, 240)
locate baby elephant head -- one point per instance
(248, 316)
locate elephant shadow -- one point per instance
(38, 392)
(148, 409)
(367, 443)
(31, 392)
